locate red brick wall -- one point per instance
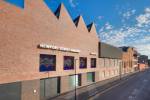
(21, 30)
(142, 67)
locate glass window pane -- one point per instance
(83, 62)
(47, 62)
(75, 80)
(49, 87)
(68, 62)
(93, 62)
(10, 91)
(90, 77)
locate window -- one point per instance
(104, 62)
(74, 80)
(10, 91)
(93, 62)
(101, 62)
(47, 62)
(109, 63)
(68, 62)
(90, 77)
(49, 87)
(83, 62)
(107, 73)
(114, 62)
(103, 74)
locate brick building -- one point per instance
(110, 60)
(44, 54)
(142, 62)
(130, 60)
(148, 62)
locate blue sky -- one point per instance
(118, 22)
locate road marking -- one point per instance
(95, 96)
(135, 91)
(131, 98)
(145, 80)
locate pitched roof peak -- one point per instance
(89, 27)
(58, 10)
(77, 19)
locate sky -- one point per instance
(118, 22)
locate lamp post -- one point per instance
(120, 68)
(75, 78)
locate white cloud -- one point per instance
(136, 35)
(147, 10)
(128, 14)
(143, 49)
(73, 3)
(108, 26)
(100, 17)
(143, 19)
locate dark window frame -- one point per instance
(69, 67)
(95, 61)
(93, 77)
(82, 58)
(44, 68)
(44, 94)
(79, 79)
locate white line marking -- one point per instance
(91, 98)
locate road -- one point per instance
(135, 88)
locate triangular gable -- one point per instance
(62, 14)
(39, 7)
(91, 28)
(79, 22)
(18, 3)
(8, 9)
(76, 20)
(35, 5)
(57, 12)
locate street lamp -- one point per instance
(75, 78)
(120, 68)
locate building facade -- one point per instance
(148, 62)
(110, 60)
(45, 54)
(143, 62)
(130, 59)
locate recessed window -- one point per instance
(74, 80)
(83, 62)
(114, 62)
(93, 62)
(104, 62)
(10, 91)
(68, 62)
(49, 87)
(90, 77)
(47, 62)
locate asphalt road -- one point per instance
(135, 88)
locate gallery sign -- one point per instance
(53, 47)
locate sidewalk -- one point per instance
(84, 93)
